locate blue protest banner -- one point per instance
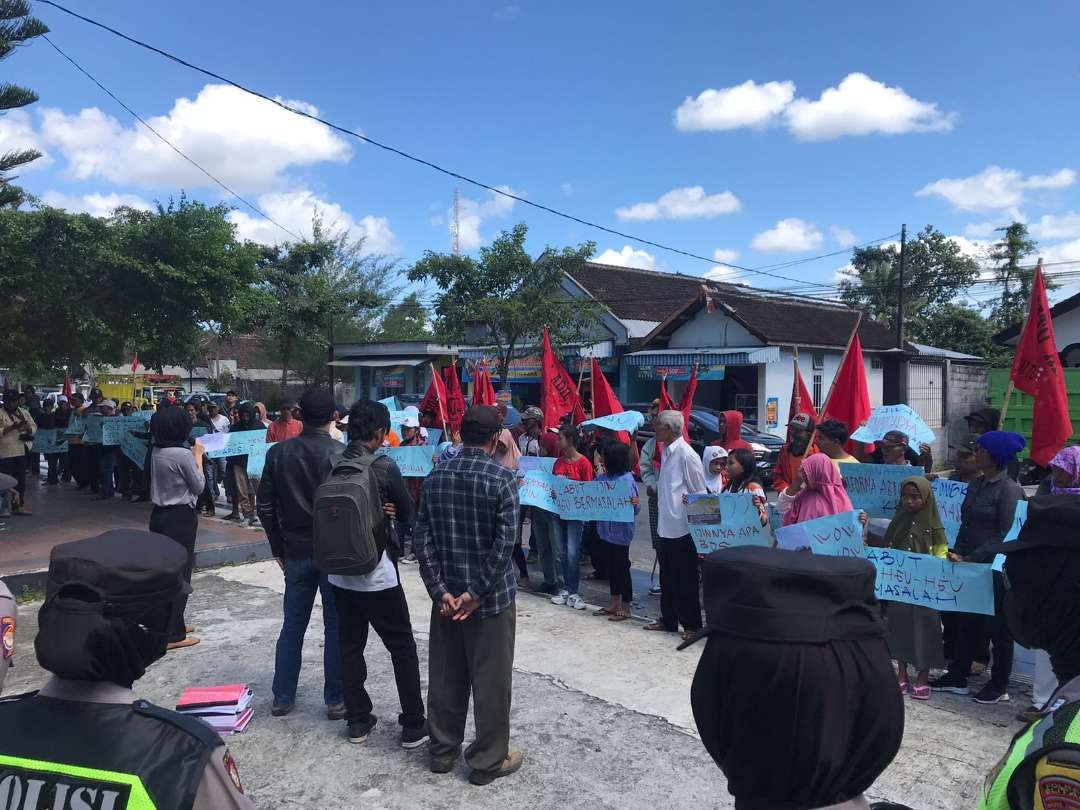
(433, 436)
(578, 500)
(875, 488)
(92, 428)
(894, 417)
(414, 461)
(76, 426)
(134, 448)
(256, 459)
(836, 535)
(724, 520)
(530, 463)
(1019, 519)
(920, 579)
(116, 426)
(629, 421)
(220, 445)
(391, 403)
(950, 497)
(49, 440)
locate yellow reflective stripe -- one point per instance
(139, 799)
(995, 793)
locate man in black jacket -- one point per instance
(294, 469)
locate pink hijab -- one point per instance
(823, 495)
(506, 451)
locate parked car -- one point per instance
(206, 395)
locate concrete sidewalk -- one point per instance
(601, 711)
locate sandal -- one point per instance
(921, 692)
(604, 612)
(657, 626)
(618, 617)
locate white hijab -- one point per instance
(713, 483)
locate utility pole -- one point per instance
(455, 226)
(900, 291)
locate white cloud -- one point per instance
(17, 133)
(683, 203)
(843, 236)
(473, 214)
(722, 272)
(788, 236)
(725, 255)
(568, 189)
(994, 188)
(1054, 226)
(1061, 252)
(983, 230)
(628, 257)
(296, 209)
(100, 205)
(745, 105)
(244, 141)
(860, 105)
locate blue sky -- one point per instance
(767, 131)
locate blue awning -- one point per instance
(707, 356)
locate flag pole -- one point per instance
(580, 377)
(854, 331)
(442, 406)
(795, 398)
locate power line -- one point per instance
(167, 142)
(415, 158)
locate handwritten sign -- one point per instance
(256, 459)
(875, 488)
(134, 448)
(413, 461)
(724, 520)
(1019, 519)
(950, 497)
(920, 579)
(433, 436)
(115, 427)
(894, 417)
(49, 441)
(76, 426)
(628, 421)
(836, 535)
(578, 500)
(92, 428)
(241, 443)
(391, 403)
(530, 463)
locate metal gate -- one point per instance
(926, 392)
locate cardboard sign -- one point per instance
(578, 500)
(1019, 520)
(724, 520)
(920, 579)
(628, 421)
(49, 441)
(92, 428)
(134, 448)
(413, 461)
(115, 427)
(256, 459)
(529, 463)
(241, 443)
(836, 535)
(76, 426)
(950, 497)
(391, 404)
(875, 488)
(894, 417)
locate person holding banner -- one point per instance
(742, 477)
(542, 544)
(895, 448)
(573, 465)
(986, 516)
(915, 631)
(244, 496)
(799, 445)
(616, 536)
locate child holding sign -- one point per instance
(617, 536)
(915, 631)
(573, 465)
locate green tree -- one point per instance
(405, 321)
(506, 297)
(16, 28)
(936, 271)
(961, 328)
(1015, 281)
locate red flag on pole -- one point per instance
(604, 401)
(135, 363)
(68, 387)
(558, 394)
(666, 402)
(1037, 371)
(434, 400)
(801, 399)
(483, 392)
(455, 400)
(849, 397)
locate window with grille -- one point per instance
(819, 361)
(817, 390)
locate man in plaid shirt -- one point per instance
(464, 539)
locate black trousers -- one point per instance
(679, 602)
(181, 523)
(387, 613)
(55, 464)
(16, 468)
(969, 634)
(617, 563)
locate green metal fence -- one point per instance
(1018, 418)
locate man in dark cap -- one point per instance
(85, 740)
(1042, 608)
(464, 539)
(795, 696)
(293, 471)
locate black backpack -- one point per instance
(350, 535)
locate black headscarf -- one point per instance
(170, 426)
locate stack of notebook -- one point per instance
(227, 709)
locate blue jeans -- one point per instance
(106, 463)
(568, 536)
(302, 580)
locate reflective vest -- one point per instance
(1041, 771)
(65, 755)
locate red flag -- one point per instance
(604, 401)
(666, 402)
(68, 387)
(1037, 371)
(483, 392)
(135, 363)
(434, 400)
(801, 400)
(849, 399)
(558, 394)
(455, 400)
(686, 402)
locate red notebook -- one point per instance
(197, 697)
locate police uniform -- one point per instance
(85, 740)
(9, 615)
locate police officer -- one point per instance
(85, 740)
(794, 695)
(1042, 607)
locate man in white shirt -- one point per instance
(681, 474)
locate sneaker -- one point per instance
(560, 598)
(576, 602)
(991, 694)
(512, 764)
(654, 590)
(280, 709)
(412, 738)
(359, 730)
(335, 711)
(950, 683)
(442, 764)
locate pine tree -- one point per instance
(1007, 256)
(16, 28)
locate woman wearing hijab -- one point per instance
(715, 460)
(816, 491)
(915, 631)
(175, 485)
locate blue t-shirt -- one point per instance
(613, 531)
